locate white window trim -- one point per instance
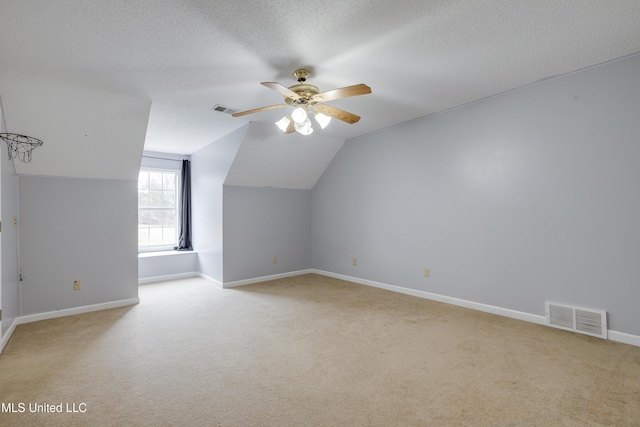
(166, 248)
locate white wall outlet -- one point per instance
(354, 261)
(77, 285)
(427, 272)
(275, 259)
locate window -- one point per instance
(157, 209)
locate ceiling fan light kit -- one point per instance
(304, 128)
(308, 99)
(322, 119)
(299, 115)
(301, 122)
(283, 123)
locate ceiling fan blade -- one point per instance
(291, 128)
(258, 110)
(336, 113)
(282, 90)
(344, 92)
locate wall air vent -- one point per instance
(222, 109)
(576, 319)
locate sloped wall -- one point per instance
(251, 201)
(87, 132)
(268, 158)
(209, 169)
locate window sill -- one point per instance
(164, 253)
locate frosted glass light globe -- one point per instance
(299, 115)
(322, 119)
(283, 124)
(304, 128)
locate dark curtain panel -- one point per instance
(184, 240)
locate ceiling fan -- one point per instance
(308, 99)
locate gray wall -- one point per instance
(9, 236)
(209, 168)
(238, 230)
(77, 229)
(519, 199)
(260, 223)
(160, 266)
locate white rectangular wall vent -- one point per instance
(222, 109)
(577, 319)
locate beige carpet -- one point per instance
(311, 351)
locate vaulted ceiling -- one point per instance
(419, 57)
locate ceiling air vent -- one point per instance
(222, 109)
(576, 319)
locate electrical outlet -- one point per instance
(275, 259)
(354, 261)
(427, 272)
(77, 285)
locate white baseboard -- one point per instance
(621, 337)
(76, 310)
(5, 337)
(210, 279)
(500, 311)
(168, 277)
(62, 313)
(527, 317)
(265, 278)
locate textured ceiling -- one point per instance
(418, 56)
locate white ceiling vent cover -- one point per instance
(222, 109)
(576, 319)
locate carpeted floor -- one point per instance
(310, 351)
